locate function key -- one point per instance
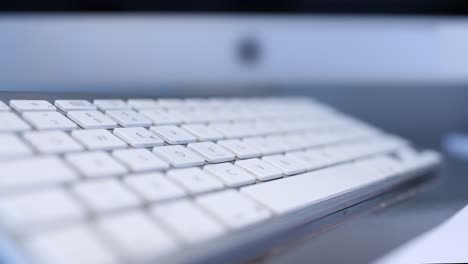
(31, 105)
(111, 104)
(74, 105)
(140, 104)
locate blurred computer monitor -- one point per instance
(81, 45)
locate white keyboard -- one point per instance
(128, 181)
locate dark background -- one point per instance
(390, 7)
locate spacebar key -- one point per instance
(34, 172)
(306, 189)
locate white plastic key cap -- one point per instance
(154, 187)
(135, 236)
(287, 164)
(194, 180)
(34, 172)
(311, 188)
(187, 221)
(10, 122)
(4, 107)
(49, 120)
(91, 119)
(31, 105)
(230, 175)
(241, 149)
(129, 118)
(71, 245)
(95, 164)
(233, 209)
(179, 156)
(173, 134)
(111, 104)
(203, 132)
(74, 105)
(262, 170)
(98, 139)
(268, 145)
(52, 142)
(312, 159)
(138, 137)
(141, 104)
(162, 117)
(13, 147)
(212, 152)
(140, 160)
(105, 195)
(34, 211)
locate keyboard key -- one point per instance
(288, 165)
(34, 172)
(171, 102)
(4, 107)
(12, 123)
(262, 170)
(187, 221)
(91, 119)
(203, 132)
(105, 195)
(154, 187)
(49, 120)
(72, 245)
(52, 142)
(129, 118)
(140, 160)
(111, 104)
(241, 149)
(98, 139)
(141, 104)
(334, 154)
(37, 210)
(241, 210)
(194, 180)
(310, 188)
(31, 105)
(138, 137)
(173, 134)
(312, 159)
(267, 146)
(211, 152)
(162, 117)
(95, 164)
(230, 175)
(234, 130)
(13, 147)
(193, 115)
(179, 156)
(74, 105)
(135, 237)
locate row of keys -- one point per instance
(139, 104)
(128, 118)
(244, 171)
(172, 134)
(52, 142)
(122, 112)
